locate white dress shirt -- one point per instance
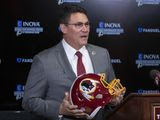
(70, 52)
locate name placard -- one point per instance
(156, 112)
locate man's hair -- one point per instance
(68, 9)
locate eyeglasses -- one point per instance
(79, 25)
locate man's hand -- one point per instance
(66, 108)
(117, 99)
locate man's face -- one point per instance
(76, 31)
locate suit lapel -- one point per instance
(62, 57)
(92, 54)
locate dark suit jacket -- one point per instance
(51, 75)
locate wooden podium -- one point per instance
(138, 107)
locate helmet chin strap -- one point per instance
(89, 117)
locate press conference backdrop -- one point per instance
(129, 29)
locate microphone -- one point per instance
(155, 75)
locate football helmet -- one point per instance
(90, 92)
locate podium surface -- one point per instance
(138, 107)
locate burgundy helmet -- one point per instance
(90, 93)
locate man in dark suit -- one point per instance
(54, 70)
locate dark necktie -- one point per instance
(80, 67)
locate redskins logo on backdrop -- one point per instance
(69, 1)
(91, 92)
(147, 2)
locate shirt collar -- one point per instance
(70, 51)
